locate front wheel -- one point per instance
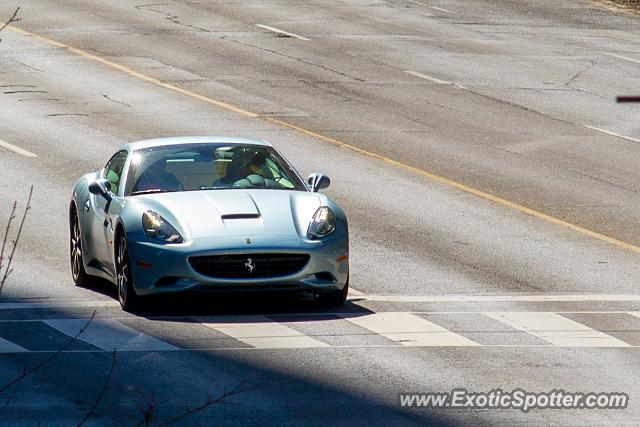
(78, 273)
(127, 296)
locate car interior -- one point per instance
(193, 169)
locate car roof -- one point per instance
(177, 140)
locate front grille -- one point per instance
(265, 266)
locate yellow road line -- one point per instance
(133, 73)
(400, 165)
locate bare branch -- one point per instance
(26, 372)
(105, 386)
(14, 18)
(11, 396)
(8, 269)
(6, 232)
(148, 410)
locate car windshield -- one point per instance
(209, 167)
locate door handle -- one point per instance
(86, 206)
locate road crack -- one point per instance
(169, 17)
(116, 101)
(24, 91)
(302, 61)
(577, 75)
(67, 114)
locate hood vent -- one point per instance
(240, 216)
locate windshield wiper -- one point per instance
(153, 190)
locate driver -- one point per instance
(258, 166)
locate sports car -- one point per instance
(195, 214)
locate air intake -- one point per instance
(240, 216)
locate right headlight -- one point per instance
(158, 228)
(322, 224)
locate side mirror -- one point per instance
(318, 181)
(101, 187)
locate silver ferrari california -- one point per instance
(206, 213)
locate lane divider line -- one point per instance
(17, 150)
(58, 304)
(445, 181)
(501, 298)
(132, 73)
(429, 78)
(435, 80)
(279, 31)
(307, 315)
(442, 9)
(608, 132)
(626, 58)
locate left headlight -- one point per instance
(322, 224)
(158, 228)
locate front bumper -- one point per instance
(164, 268)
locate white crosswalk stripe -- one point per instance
(557, 330)
(366, 329)
(261, 332)
(410, 330)
(109, 334)
(9, 347)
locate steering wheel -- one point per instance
(250, 181)
(256, 180)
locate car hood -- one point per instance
(235, 212)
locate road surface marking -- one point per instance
(286, 33)
(58, 304)
(441, 9)
(425, 174)
(9, 347)
(429, 78)
(15, 149)
(355, 293)
(435, 80)
(500, 298)
(608, 132)
(557, 330)
(626, 58)
(132, 73)
(109, 334)
(409, 330)
(401, 328)
(264, 333)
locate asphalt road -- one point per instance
(491, 183)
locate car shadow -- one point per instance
(230, 303)
(242, 304)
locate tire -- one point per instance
(338, 298)
(129, 300)
(78, 273)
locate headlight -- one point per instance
(158, 228)
(322, 224)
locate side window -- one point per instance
(113, 170)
